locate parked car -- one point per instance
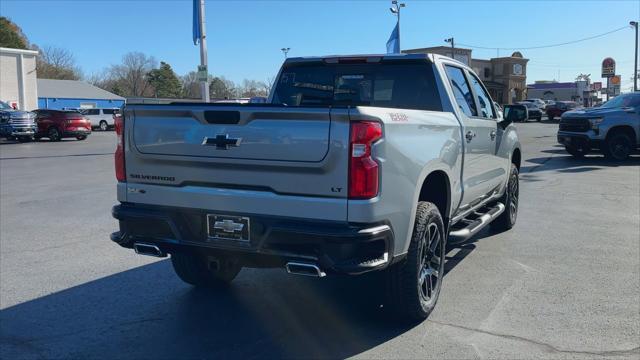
(58, 124)
(613, 128)
(533, 110)
(16, 124)
(549, 102)
(559, 108)
(100, 118)
(356, 164)
(541, 104)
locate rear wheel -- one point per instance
(413, 285)
(618, 146)
(199, 271)
(103, 125)
(54, 134)
(81, 137)
(508, 218)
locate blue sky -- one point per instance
(245, 37)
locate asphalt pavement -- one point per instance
(564, 283)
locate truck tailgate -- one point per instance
(271, 149)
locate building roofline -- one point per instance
(18, 51)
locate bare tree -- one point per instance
(130, 77)
(251, 88)
(57, 63)
(191, 86)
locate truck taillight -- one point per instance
(363, 170)
(119, 154)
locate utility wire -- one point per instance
(545, 46)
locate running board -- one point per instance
(475, 225)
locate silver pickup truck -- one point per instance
(355, 164)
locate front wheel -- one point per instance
(103, 125)
(508, 218)
(198, 271)
(618, 146)
(413, 285)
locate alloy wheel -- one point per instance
(431, 261)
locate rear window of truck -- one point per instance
(391, 85)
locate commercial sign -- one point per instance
(614, 85)
(608, 67)
(596, 86)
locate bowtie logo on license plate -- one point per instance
(225, 227)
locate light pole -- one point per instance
(395, 9)
(453, 46)
(285, 51)
(635, 63)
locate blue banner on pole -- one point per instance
(393, 44)
(196, 21)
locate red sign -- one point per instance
(608, 68)
(597, 86)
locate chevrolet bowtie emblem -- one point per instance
(222, 142)
(228, 226)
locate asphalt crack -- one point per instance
(546, 346)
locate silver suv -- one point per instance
(355, 164)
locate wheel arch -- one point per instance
(436, 188)
(516, 157)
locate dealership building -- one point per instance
(64, 94)
(18, 86)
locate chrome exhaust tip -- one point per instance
(148, 249)
(305, 269)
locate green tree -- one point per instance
(11, 35)
(165, 82)
(221, 88)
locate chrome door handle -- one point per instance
(470, 135)
(493, 135)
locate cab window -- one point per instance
(461, 90)
(484, 101)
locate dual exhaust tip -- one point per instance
(293, 267)
(305, 269)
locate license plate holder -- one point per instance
(228, 227)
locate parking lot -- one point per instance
(564, 283)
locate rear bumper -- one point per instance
(337, 247)
(72, 133)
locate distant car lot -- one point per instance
(563, 283)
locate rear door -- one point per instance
(478, 174)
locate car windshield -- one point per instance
(627, 100)
(5, 106)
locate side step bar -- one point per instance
(475, 225)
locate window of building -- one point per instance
(461, 91)
(487, 73)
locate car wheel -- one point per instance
(196, 270)
(539, 119)
(508, 218)
(550, 117)
(618, 146)
(25, 139)
(103, 125)
(81, 137)
(413, 285)
(54, 134)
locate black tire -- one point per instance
(577, 152)
(81, 137)
(103, 125)
(550, 117)
(411, 293)
(539, 119)
(618, 146)
(194, 269)
(54, 134)
(508, 218)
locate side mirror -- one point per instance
(514, 113)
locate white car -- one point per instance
(538, 102)
(101, 118)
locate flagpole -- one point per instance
(204, 85)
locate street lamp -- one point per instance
(285, 51)
(450, 40)
(395, 10)
(635, 63)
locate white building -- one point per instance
(18, 78)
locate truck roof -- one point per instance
(370, 58)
